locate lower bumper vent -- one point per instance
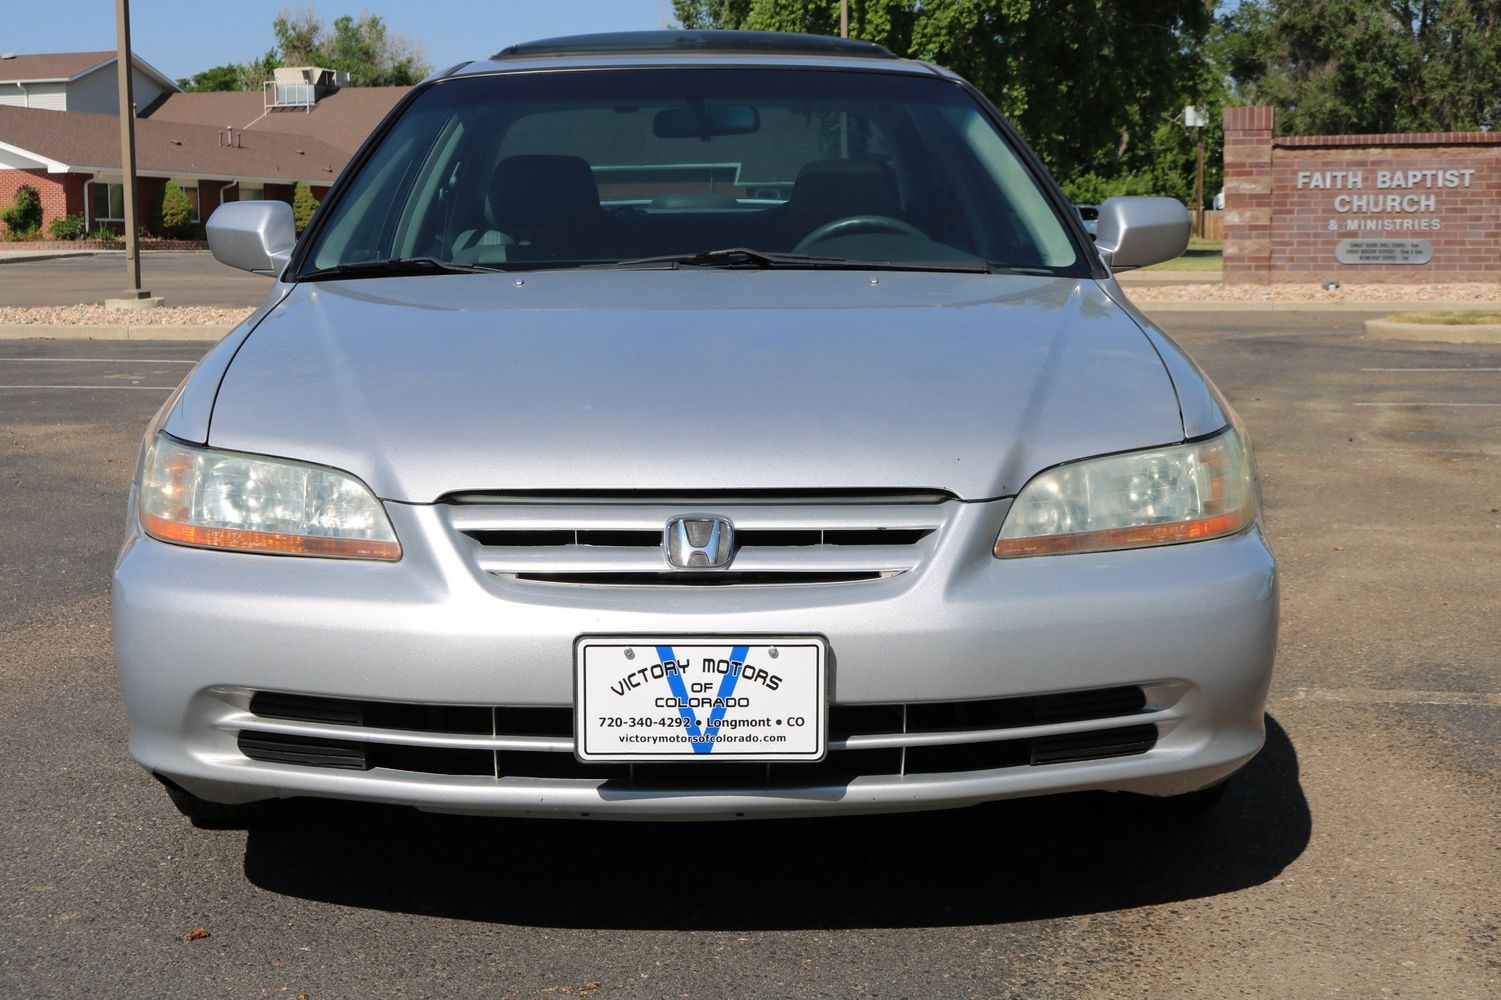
(865, 740)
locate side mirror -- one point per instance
(1136, 232)
(255, 236)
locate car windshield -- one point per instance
(670, 168)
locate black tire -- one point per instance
(214, 815)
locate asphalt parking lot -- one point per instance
(1359, 855)
(180, 279)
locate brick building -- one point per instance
(59, 133)
(1418, 207)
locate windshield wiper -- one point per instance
(735, 257)
(394, 268)
(763, 259)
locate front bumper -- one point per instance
(197, 632)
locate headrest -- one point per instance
(834, 189)
(534, 190)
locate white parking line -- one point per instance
(1431, 369)
(1427, 404)
(156, 388)
(105, 361)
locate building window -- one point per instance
(189, 188)
(107, 202)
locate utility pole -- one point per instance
(134, 295)
(1193, 117)
(1199, 190)
(844, 18)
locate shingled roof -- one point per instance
(341, 119)
(92, 142)
(49, 67)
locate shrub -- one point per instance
(24, 214)
(67, 227)
(303, 206)
(177, 211)
(105, 234)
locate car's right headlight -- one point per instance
(252, 503)
(1162, 496)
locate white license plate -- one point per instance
(715, 698)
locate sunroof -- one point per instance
(696, 41)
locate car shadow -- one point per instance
(1027, 859)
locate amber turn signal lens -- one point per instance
(267, 541)
(1140, 536)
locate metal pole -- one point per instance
(128, 149)
(844, 18)
(1199, 189)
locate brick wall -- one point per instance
(62, 194)
(1291, 202)
(1248, 193)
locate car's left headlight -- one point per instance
(250, 503)
(1183, 493)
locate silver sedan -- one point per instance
(680, 426)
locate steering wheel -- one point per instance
(851, 224)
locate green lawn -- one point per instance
(1201, 255)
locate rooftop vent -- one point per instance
(301, 87)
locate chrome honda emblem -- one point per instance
(699, 541)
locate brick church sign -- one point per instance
(1419, 207)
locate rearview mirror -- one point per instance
(705, 121)
(255, 236)
(1136, 232)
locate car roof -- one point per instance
(639, 49)
(695, 42)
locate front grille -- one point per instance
(778, 540)
(864, 740)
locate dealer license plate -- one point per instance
(715, 698)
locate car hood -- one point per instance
(695, 380)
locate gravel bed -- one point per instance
(1347, 292)
(100, 316)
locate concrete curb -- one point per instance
(112, 331)
(1151, 278)
(1474, 333)
(1178, 305)
(7, 257)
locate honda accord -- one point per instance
(694, 426)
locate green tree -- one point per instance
(1333, 66)
(362, 47)
(215, 78)
(177, 210)
(233, 76)
(303, 206)
(1092, 84)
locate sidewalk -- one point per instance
(23, 256)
